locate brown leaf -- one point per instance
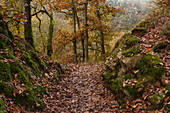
(140, 89)
(37, 104)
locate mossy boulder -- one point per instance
(128, 73)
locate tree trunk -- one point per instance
(74, 30)
(81, 35)
(41, 34)
(96, 52)
(50, 36)
(27, 24)
(86, 31)
(101, 32)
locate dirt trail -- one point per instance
(81, 90)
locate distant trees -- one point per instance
(135, 11)
(88, 18)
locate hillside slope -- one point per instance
(137, 72)
(25, 74)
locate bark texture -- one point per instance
(27, 24)
(101, 32)
(50, 36)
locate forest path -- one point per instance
(81, 90)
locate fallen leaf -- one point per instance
(166, 99)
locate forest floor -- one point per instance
(81, 90)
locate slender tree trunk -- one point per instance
(86, 31)
(96, 52)
(74, 30)
(82, 41)
(41, 34)
(27, 24)
(81, 35)
(101, 32)
(50, 36)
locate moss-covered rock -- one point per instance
(128, 74)
(128, 41)
(133, 51)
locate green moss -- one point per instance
(5, 72)
(134, 93)
(2, 107)
(29, 102)
(123, 106)
(57, 75)
(6, 89)
(129, 41)
(37, 59)
(27, 57)
(5, 43)
(128, 76)
(39, 90)
(28, 99)
(115, 53)
(150, 67)
(156, 100)
(18, 44)
(133, 51)
(9, 56)
(116, 85)
(21, 75)
(1, 56)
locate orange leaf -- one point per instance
(140, 89)
(3, 94)
(14, 93)
(166, 99)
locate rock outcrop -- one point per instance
(130, 73)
